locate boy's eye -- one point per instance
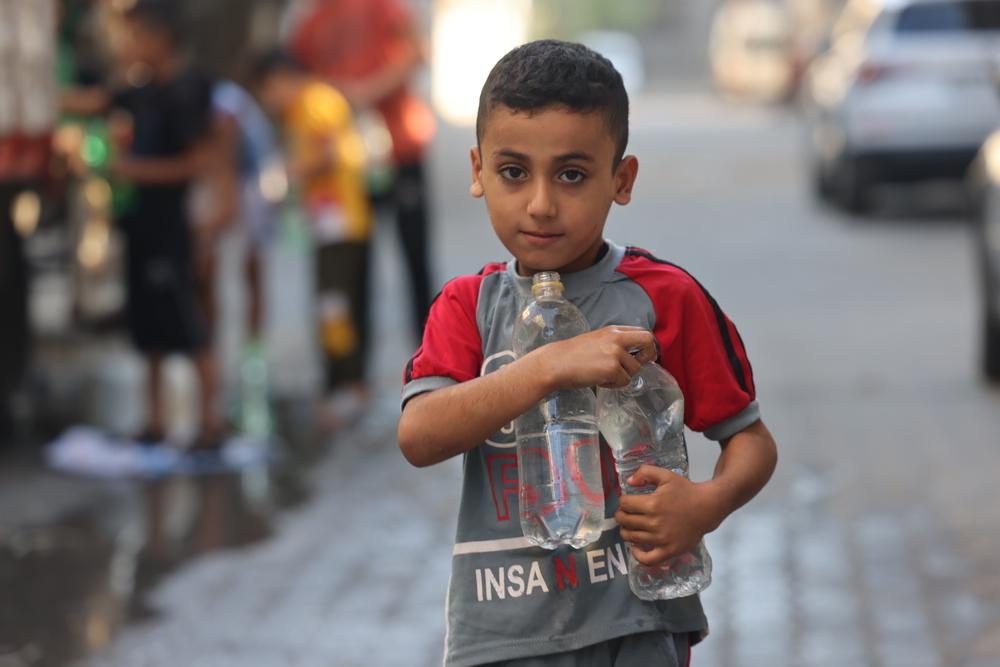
(572, 176)
(513, 173)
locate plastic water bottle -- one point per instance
(561, 495)
(255, 420)
(643, 422)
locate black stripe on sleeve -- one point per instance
(408, 375)
(720, 317)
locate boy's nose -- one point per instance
(542, 204)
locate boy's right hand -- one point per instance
(608, 357)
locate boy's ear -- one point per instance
(625, 176)
(476, 189)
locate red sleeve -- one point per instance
(451, 346)
(699, 345)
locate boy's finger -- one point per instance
(637, 521)
(620, 379)
(646, 353)
(639, 342)
(649, 475)
(636, 504)
(625, 328)
(643, 537)
(654, 556)
(630, 364)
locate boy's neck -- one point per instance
(601, 251)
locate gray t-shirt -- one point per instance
(506, 598)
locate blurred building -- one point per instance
(27, 114)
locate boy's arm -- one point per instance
(443, 423)
(84, 100)
(163, 170)
(673, 518)
(222, 174)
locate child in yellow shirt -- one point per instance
(325, 160)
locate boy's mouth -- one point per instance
(540, 238)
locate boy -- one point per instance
(231, 190)
(552, 131)
(164, 150)
(325, 164)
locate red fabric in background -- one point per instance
(24, 158)
(350, 40)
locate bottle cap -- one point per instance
(546, 280)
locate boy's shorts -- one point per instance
(649, 649)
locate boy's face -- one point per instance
(143, 43)
(548, 181)
(277, 92)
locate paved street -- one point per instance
(875, 545)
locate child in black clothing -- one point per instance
(159, 126)
(170, 108)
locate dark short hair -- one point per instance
(552, 73)
(158, 15)
(273, 62)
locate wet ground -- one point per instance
(78, 557)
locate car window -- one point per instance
(950, 17)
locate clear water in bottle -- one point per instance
(643, 422)
(560, 491)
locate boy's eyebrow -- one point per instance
(565, 157)
(514, 155)
(575, 155)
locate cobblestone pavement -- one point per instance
(876, 543)
(354, 578)
(794, 585)
(805, 589)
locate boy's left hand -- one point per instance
(669, 521)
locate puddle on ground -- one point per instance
(69, 587)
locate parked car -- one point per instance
(906, 92)
(984, 188)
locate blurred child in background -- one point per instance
(370, 51)
(160, 123)
(229, 197)
(325, 166)
(169, 104)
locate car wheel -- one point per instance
(854, 186)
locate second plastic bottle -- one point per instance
(643, 422)
(560, 492)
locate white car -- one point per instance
(908, 90)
